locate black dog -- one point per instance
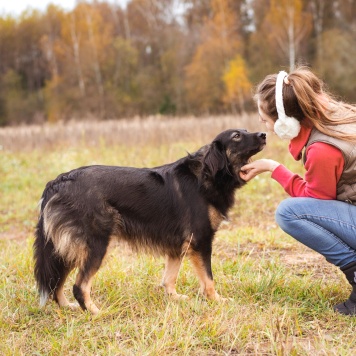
(171, 210)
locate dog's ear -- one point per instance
(215, 159)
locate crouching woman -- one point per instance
(321, 212)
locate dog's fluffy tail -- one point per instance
(48, 267)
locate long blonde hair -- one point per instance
(306, 99)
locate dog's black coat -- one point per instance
(165, 210)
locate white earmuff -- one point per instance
(285, 127)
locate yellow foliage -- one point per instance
(204, 83)
(237, 83)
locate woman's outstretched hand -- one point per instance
(252, 169)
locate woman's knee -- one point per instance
(284, 212)
(284, 209)
(292, 213)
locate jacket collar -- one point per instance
(297, 144)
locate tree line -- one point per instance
(172, 57)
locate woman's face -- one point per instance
(265, 119)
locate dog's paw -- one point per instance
(216, 297)
(182, 297)
(93, 308)
(222, 299)
(72, 306)
(176, 296)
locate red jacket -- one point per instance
(324, 166)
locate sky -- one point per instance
(16, 7)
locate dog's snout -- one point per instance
(262, 135)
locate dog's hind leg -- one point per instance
(170, 275)
(83, 282)
(58, 294)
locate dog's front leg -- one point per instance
(170, 275)
(202, 265)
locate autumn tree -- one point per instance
(286, 26)
(237, 84)
(259, 54)
(14, 99)
(345, 14)
(7, 62)
(220, 43)
(81, 53)
(156, 34)
(52, 20)
(338, 68)
(23, 68)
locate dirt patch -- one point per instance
(296, 257)
(305, 260)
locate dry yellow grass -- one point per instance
(154, 130)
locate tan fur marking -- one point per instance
(66, 245)
(61, 298)
(85, 287)
(170, 275)
(63, 301)
(72, 251)
(206, 283)
(215, 217)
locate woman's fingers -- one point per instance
(246, 175)
(252, 169)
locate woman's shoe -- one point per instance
(349, 306)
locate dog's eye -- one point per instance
(236, 136)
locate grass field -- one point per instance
(282, 293)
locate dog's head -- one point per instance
(231, 150)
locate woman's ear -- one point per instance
(215, 159)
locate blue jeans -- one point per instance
(326, 226)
